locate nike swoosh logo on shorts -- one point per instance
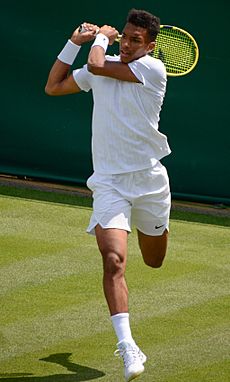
(159, 226)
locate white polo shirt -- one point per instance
(125, 135)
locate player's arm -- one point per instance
(97, 63)
(60, 80)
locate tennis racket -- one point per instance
(177, 49)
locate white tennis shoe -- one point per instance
(133, 359)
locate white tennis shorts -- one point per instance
(140, 198)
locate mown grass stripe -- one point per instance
(43, 269)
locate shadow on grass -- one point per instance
(52, 196)
(79, 372)
(202, 218)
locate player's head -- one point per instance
(146, 20)
(139, 35)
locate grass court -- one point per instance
(55, 325)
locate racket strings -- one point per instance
(176, 50)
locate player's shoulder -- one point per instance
(153, 68)
(152, 62)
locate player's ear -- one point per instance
(151, 46)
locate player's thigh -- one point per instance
(112, 243)
(111, 239)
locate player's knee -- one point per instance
(154, 261)
(113, 264)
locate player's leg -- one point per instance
(153, 248)
(110, 222)
(112, 244)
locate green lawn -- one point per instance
(55, 325)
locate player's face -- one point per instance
(134, 43)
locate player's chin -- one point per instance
(125, 58)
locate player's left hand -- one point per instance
(89, 32)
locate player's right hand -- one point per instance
(110, 32)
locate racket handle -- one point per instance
(118, 38)
(82, 29)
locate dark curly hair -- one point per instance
(146, 20)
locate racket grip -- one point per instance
(118, 38)
(82, 29)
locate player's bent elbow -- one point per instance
(94, 68)
(50, 91)
(91, 68)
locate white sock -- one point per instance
(121, 326)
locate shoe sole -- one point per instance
(135, 375)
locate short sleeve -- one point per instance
(83, 78)
(149, 71)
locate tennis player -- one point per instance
(130, 186)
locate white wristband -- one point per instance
(101, 40)
(69, 52)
